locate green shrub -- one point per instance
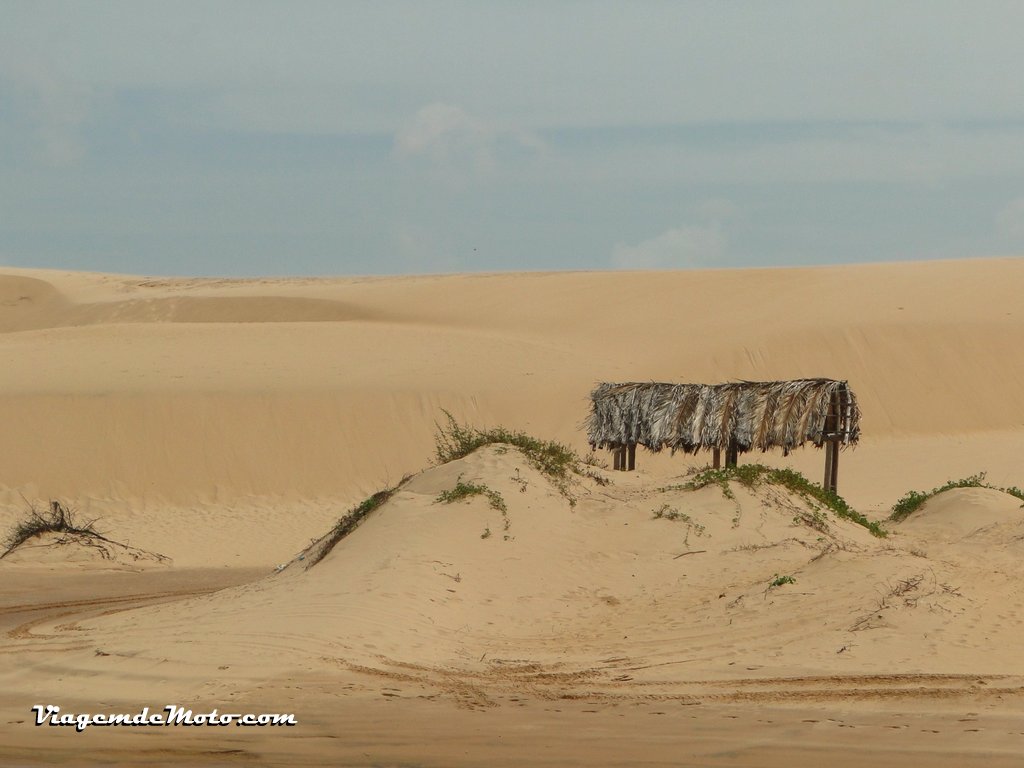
(466, 490)
(751, 475)
(557, 461)
(454, 441)
(914, 500)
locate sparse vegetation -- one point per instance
(599, 479)
(914, 500)
(62, 520)
(908, 592)
(454, 441)
(57, 519)
(519, 480)
(593, 462)
(351, 520)
(466, 490)
(666, 512)
(813, 520)
(778, 581)
(557, 461)
(751, 475)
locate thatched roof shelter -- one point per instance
(738, 417)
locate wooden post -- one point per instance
(716, 458)
(831, 438)
(620, 458)
(631, 457)
(829, 462)
(835, 467)
(732, 455)
(617, 458)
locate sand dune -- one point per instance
(596, 600)
(229, 424)
(444, 587)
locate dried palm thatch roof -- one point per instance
(747, 414)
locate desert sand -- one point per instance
(217, 429)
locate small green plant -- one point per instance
(351, 520)
(1013, 490)
(751, 475)
(813, 520)
(519, 480)
(466, 490)
(908, 503)
(778, 581)
(454, 441)
(557, 461)
(666, 512)
(599, 479)
(57, 519)
(914, 500)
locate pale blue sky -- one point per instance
(247, 138)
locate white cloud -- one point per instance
(683, 246)
(438, 127)
(448, 134)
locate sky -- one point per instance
(337, 138)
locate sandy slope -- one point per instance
(595, 605)
(226, 424)
(602, 592)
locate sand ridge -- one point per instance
(450, 593)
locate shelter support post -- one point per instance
(732, 455)
(833, 482)
(619, 457)
(830, 450)
(716, 458)
(832, 424)
(631, 457)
